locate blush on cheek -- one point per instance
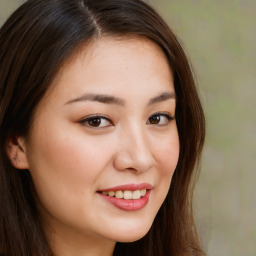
(78, 161)
(168, 157)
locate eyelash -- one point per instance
(91, 118)
(161, 114)
(99, 118)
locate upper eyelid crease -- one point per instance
(108, 99)
(94, 117)
(167, 114)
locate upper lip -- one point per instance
(131, 187)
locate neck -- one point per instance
(93, 248)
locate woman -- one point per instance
(101, 128)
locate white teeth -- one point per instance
(119, 194)
(136, 194)
(143, 192)
(127, 194)
(111, 193)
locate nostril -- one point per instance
(134, 154)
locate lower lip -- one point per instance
(128, 204)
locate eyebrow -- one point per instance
(102, 98)
(162, 97)
(107, 99)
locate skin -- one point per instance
(70, 160)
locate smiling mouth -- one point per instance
(126, 194)
(129, 197)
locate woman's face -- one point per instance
(105, 126)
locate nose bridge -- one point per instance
(134, 152)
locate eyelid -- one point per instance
(84, 121)
(165, 114)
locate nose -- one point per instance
(134, 152)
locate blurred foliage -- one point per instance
(220, 39)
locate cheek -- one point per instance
(65, 169)
(167, 155)
(67, 163)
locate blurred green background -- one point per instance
(220, 39)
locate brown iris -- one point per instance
(154, 119)
(95, 122)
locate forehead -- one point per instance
(108, 62)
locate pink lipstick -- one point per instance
(130, 197)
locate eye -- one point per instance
(96, 122)
(160, 119)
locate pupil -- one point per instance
(155, 119)
(95, 122)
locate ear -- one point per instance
(16, 152)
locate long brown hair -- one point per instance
(34, 43)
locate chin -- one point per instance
(131, 239)
(132, 234)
